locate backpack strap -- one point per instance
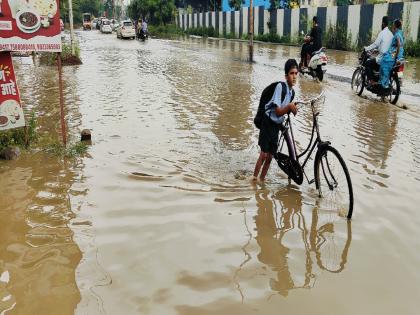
(284, 91)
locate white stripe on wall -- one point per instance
(280, 17)
(294, 27)
(237, 16)
(379, 11)
(200, 19)
(245, 21)
(414, 9)
(221, 23)
(256, 14)
(331, 16)
(266, 20)
(195, 19)
(353, 22)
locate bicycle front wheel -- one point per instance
(333, 183)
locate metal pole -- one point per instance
(251, 31)
(71, 27)
(60, 85)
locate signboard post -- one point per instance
(30, 25)
(11, 113)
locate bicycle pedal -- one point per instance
(312, 181)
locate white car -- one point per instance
(106, 26)
(126, 30)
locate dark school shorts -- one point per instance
(269, 135)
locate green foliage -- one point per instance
(79, 7)
(412, 48)
(344, 2)
(377, 1)
(274, 4)
(50, 59)
(70, 151)
(236, 4)
(156, 12)
(165, 30)
(337, 38)
(273, 38)
(16, 137)
(203, 31)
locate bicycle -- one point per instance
(331, 187)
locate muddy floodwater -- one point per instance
(159, 217)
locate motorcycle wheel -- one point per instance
(357, 82)
(394, 94)
(319, 73)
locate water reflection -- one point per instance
(291, 234)
(38, 256)
(219, 95)
(376, 131)
(37, 251)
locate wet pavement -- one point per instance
(160, 217)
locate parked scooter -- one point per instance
(359, 79)
(317, 65)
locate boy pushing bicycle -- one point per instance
(270, 116)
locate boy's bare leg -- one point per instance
(258, 165)
(266, 166)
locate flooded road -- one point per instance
(160, 217)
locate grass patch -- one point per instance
(273, 38)
(202, 31)
(337, 38)
(72, 150)
(67, 59)
(165, 30)
(17, 137)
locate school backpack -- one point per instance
(266, 96)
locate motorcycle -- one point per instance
(143, 35)
(359, 79)
(317, 65)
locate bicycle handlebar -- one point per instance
(310, 101)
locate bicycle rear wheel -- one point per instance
(333, 183)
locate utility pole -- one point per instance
(251, 31)
(71, 27)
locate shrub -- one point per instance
(17, 137)
(337, 38)
(202, 31)
(412, 48)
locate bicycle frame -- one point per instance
(291, 144)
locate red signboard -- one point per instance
(11, 113)
(30, 25)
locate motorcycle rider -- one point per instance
(393, 56)
(313, 42)
(382, 43)
(143, 30)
